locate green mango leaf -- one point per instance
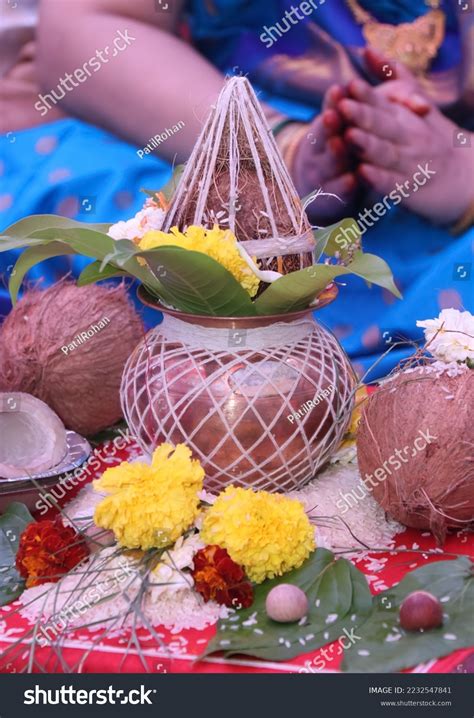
(384, 647)
(25, 227)
(170, 187)
(339, 237)
(29, 258)
(12, 523)
(120, 253)
(375, 270)
(20, 234)
(297, 290)
(6, 243)
(85, 241)
(197, 283)
(57, 241)
(339, 600)
(97, 271)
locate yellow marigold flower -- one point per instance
(220, 244)
(267, 534)
(151, 506)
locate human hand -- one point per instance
(318, 158)
(393, 144)
(397, 82)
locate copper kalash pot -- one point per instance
(262, 402)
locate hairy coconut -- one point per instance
(415, 445)
(67, 346)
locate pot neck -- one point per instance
(233, 336)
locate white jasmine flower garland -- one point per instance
(450, 336)
(148, 218)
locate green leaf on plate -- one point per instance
(12, 523)
(339, 598)
(384, 647)
(297, 290)
(197, 283)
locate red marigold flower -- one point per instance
(218, 578)
(47, 550)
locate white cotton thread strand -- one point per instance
(217, 339)
(261, 248)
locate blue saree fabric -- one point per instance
(74, 169)
(71, 168)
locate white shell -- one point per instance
(32, 436)
(286, 603)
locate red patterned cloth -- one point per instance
(82, 651)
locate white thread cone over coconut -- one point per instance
(236, 178)
(32, 436)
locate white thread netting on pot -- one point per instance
(262, 407)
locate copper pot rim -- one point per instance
(325, 298)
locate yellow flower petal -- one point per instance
(267, 534)
(151, 506)
(220, 244)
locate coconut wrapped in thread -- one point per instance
(236, 178)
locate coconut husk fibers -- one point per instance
(250, 223)
(82, 386)
(434, 489)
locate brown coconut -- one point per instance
(434, 488)
(80, 385)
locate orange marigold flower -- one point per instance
(47, 550)
(218, 578)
